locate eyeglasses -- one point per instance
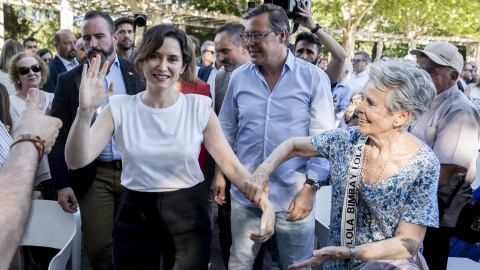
(256, 38)
(47, 59)
(212, 52)
(469, 70)
(26, 70)
(356, 61)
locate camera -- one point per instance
(140, 19)
(290, 7)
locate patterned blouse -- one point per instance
(410, 195)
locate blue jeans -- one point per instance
(295, 239)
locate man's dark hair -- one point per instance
(122, 20)
(96, 13)
(278, 19)
(310, 38)
(28, 39)
(234, 30)
(365, 56)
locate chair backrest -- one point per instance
(50, 226)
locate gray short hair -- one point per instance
(205, 45)
(364, 55)
(410, 88)
(234, 30)
(277, 18)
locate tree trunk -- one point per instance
(348, 42)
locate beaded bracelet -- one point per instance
(36, 140)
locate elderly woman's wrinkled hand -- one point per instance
(323, 255)
(267, 224)
(258, 183)
(91, 89)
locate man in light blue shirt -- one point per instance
(269, 100)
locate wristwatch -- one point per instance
(353, 252)
(314, 30)
(315, 184)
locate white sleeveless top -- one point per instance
(475, 96)
(160, 147)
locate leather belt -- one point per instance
(114, 164)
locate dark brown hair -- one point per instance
(153, 39)
(5, 108)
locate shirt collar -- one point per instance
(289, 63)
(440, 98)
(66, 62)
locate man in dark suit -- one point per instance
(65, 60)
(97, 186)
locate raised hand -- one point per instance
(31, 122)
(91, 89)
(306, 19)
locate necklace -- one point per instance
(388, 159)
(40, 107)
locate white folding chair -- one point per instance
(455, 263)
(50, 226)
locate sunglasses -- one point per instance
(356, 61)
(26, 70)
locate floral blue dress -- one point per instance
(410, 195)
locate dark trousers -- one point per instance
(169, 225)
(436, 247)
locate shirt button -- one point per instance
(268, 118)
(266, 138)
(269, 99)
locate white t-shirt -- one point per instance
(160, 147)
(16, 108)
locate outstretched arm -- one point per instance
(405, 244)
(221, 151)
(293, 147)
(84, 144)
(335, 66)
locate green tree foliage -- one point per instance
(415, 19)
(22, 22)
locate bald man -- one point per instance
(65, 60)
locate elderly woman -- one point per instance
(384, 180)
(158, 133)
(28, 70)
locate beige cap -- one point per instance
(442, 53)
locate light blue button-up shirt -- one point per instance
(68, 65)
(115, 75)
(255, 121)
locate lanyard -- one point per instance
(349, 213)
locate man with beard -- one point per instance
(96, 187)
(126, 38)
(81, 55)
(65, 44)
